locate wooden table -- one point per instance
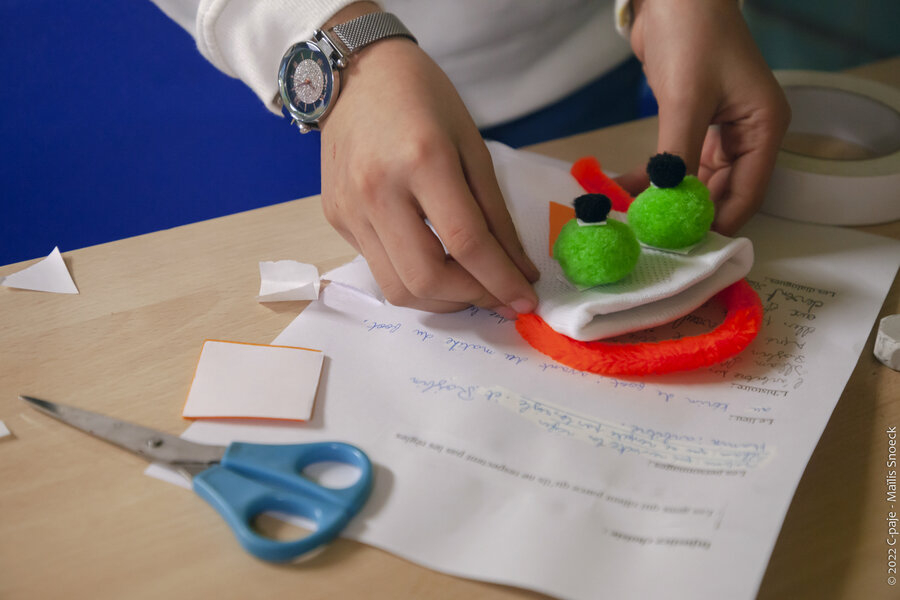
(78, 519)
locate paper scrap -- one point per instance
(255, 381)
(4, 430)
(285, 280)
(887, 342)
(47, 275)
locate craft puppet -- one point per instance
(598, 254)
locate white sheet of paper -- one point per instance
(287, 280)
(356, 275)
(4, 430)
(47, 275)
(494, 462)
(235, 380)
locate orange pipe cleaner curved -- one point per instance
(741, 325)
(588, 173)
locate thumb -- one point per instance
(635, 181)
(682, 129)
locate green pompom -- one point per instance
(674, 217)
(596, 254)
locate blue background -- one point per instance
(112, 124)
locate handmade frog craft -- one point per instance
(633, 263)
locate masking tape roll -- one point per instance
(887, 342)
(840, 161)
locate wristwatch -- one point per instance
(309, 75)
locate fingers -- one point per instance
(418, 260)
(479, 172)
(683, 122)
(738, 159)
(362, 236)
(747, 179)
(353, 225)
(712, 157)
(408, 260)
(635, 181)
(715, 166)
(735, 158)
(469, 230)
(392, 286)
(684, 119)
(415, 272)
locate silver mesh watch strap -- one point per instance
(368, 28)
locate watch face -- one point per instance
(306, 82)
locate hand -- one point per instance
(399, 147)
(705, 69)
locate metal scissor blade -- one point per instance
(151, 444)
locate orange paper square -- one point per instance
(560, 214)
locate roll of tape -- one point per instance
(840, 161)
(887, 342)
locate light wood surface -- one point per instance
(78, 519)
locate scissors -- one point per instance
(243, 480)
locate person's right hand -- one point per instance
(400, 147)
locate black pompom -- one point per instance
(666, 170)
(592, 208)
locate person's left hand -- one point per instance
(720, 107)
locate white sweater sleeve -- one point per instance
(624, 16)
(491, 50)
(247, 38)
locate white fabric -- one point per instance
(673, 286)
(506, 58)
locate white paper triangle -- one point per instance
(48, 275)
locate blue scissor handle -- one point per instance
(256, 478)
